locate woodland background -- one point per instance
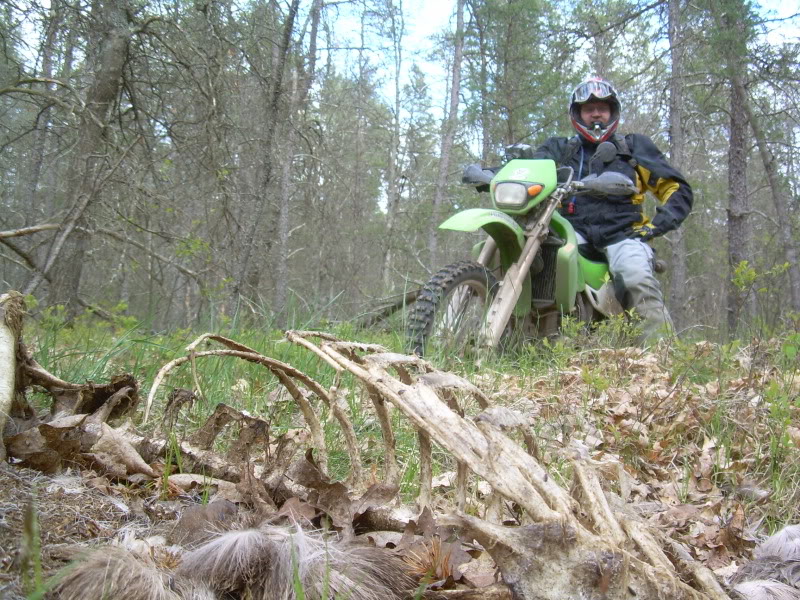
(179, 161)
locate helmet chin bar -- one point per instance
(595, 132)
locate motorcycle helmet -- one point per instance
(594, 88)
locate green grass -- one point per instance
(89, 350)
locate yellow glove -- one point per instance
(644, 232)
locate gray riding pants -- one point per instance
(631, 264)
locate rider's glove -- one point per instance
(518, 151)
(644, 232)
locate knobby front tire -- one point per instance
(449, 311)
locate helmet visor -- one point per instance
(601, 90)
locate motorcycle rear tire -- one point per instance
(450, 308)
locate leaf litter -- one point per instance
(686, 456)
(711, 495)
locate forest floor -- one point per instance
(701, 441)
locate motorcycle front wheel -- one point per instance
(449, 312)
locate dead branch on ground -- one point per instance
(565, 545)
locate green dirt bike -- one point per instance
(528, 273)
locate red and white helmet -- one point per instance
(594, 88)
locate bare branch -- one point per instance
(38, 93)
(140, 246)
(28, 230)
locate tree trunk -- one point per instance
(245, 280)
(282, 260)
(12, 308)
(33, 212)
(677, 141)
(781, 207)
(738, 205)
(397, 29)
(483, 81)
(448, 136)
(90, 164)
(301, 84)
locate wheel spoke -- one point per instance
(451, 307)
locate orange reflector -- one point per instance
(534, 190)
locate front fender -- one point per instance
(509, 236)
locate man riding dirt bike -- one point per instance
(617, 227)
(568, 235)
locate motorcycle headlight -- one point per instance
(510, 194)
(514, 195)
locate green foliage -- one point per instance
(32, 580)
(761, 284)
(193, 247)
(517, 71)
(173, 459)
(187, 192)
(297, 583)
(789, 348)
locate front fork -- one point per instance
(487, 252)
(511, 287)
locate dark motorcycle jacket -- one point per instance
(605, 221)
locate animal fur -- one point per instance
(774, 573)
(113, 572)
(765, 590)
(770, 567)
(266, 563)
(784, 544)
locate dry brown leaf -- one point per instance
(378, 494)
(297, 510)
(719, 557)
(105, 463)
(480, 572)
(679, 516)
(426, 524)
(621, 403)
(254, 491)
(733, 535)
(116, 446)
(333, 498)
(45, 447)
(222, 490)
(705, 465)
